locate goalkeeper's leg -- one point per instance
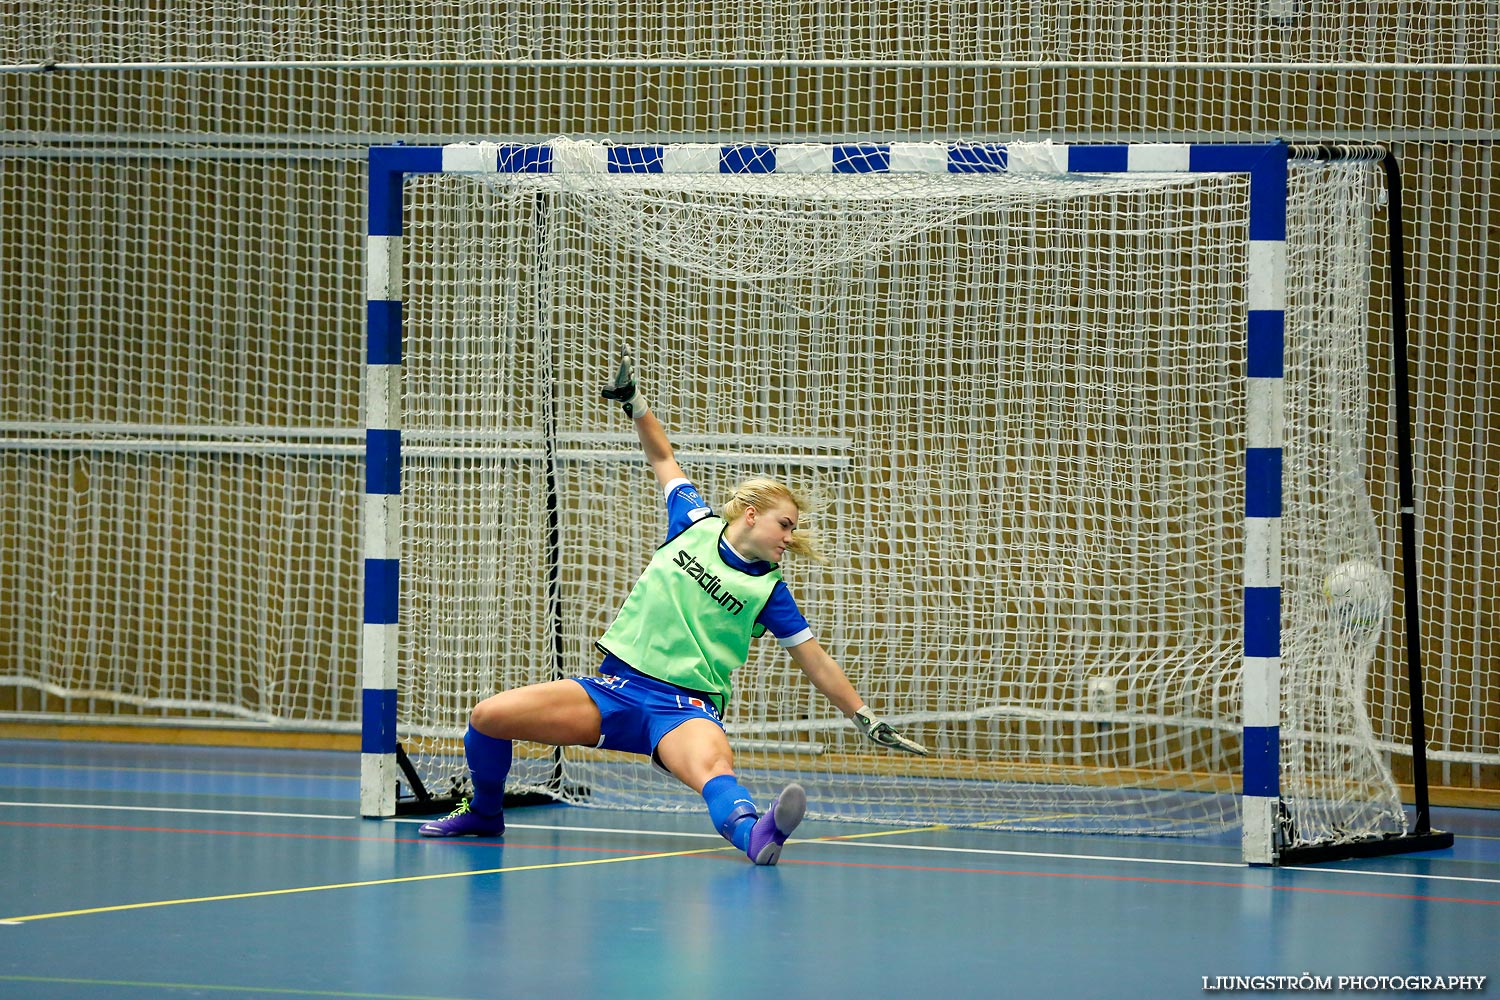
(697, 753)
(731, 809)
(734, 815)
(558, 713)
(483, 814)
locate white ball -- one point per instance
(1358, 593)
(1102, 695)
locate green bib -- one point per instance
(691, 616)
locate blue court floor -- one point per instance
(165, 872)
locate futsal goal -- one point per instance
(1091, 424)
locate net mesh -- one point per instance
(180, 466)
(164, 197)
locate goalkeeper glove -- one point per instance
(625, 392)
(882, 733)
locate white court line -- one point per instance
(837, 841)
(587, 829)
(210, 772)
(1356, 871)
(1238, 866)
(833, 841)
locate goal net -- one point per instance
(1023, 397)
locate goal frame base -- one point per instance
(1377, 847)
(422, 802)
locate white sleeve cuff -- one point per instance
(795, 639)
(679, 481)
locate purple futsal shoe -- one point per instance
(769, 833)
(464, 822)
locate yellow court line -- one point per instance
(1028, 819)
(935, 828)
(877, 833)
(122, 907)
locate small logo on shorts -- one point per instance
(699, 704)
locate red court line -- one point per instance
(1148, 879)
(463, 842)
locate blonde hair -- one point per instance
(764, 494)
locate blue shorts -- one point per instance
(637, 711)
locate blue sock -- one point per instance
(489, 764)
(730, 807)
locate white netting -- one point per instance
(163, 197)
(1337, 563)
(179, 453)
(198, 30)
(1023, 396)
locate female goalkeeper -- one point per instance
(662, 688)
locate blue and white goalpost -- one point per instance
(1046, 716)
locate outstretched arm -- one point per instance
(658, 449)
(828, 677)
(654, 443)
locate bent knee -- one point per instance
(489, 717)
(695, 754)
(559, 713)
